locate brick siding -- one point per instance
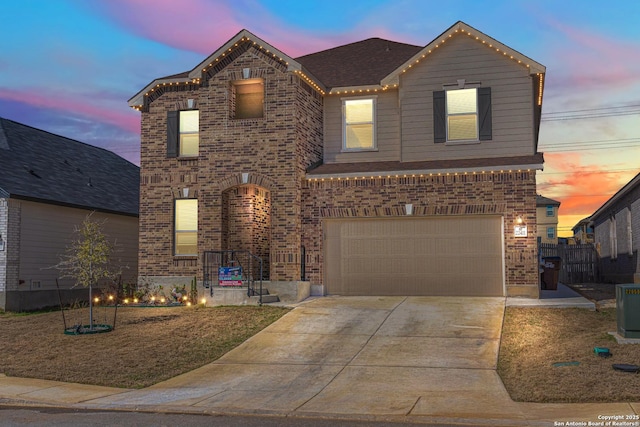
(248, 168)
(506, 194)
(271, 153)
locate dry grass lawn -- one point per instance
(533, 339)
(148, 345)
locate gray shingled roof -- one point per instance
(543, 201)
(40, 166)
(361, 63)
(365, 62)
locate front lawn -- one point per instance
(534, 339)
(148, 345)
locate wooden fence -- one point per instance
(579, 263)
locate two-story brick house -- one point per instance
(374, 168)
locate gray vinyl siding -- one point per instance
(465, 58)
(405, 116)
(387, 130)
(47, 230)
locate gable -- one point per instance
(372, 64)
(460, 29)
(242, 42)
(240, 49)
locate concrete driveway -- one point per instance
(379, 356)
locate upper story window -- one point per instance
(247, 99)
(359, 124)
(189, 133)
(462, 115)
(550, 211)
(185, 227)
(183, 133)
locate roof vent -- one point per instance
(31, 171)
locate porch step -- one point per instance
(266, 296)
(266, 299)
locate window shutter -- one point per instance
(484, 113)
(439, 117)
(172, 134)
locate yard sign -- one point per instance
(230, 276)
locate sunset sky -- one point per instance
(69, 66)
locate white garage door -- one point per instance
(414, 256)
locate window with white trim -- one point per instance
(462, 115)
(183, 133)
(550, 211)
(551, 232)
(359, 127)
(189, 139)
(186, 227)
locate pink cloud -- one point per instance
(592, 59)
(202, 26)
(189, 24)
(128, 121)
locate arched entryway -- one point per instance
(246, 222)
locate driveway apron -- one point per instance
(418, 356)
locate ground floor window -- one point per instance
(551, 232)
(186, 227)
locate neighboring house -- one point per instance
(373, 168)
(547, 219)
(48, 185)
(583, 231)
(616, 229)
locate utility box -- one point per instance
(628, 306)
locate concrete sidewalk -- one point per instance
(417, 359)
